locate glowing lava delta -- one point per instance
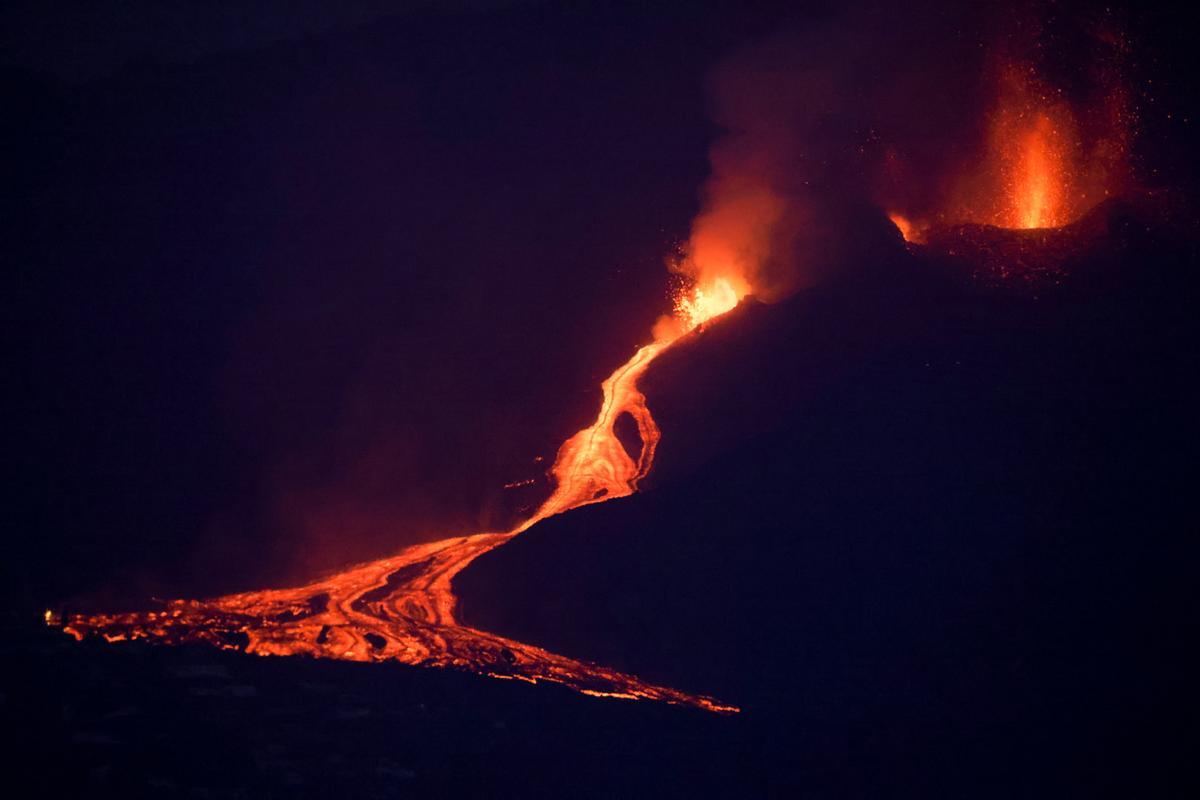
(403, 608)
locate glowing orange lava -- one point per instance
(706, 302)
(907, 229)
(1045, 163)
(403, 608)
(1033, 166)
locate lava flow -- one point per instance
(403, 608)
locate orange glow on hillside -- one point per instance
(907, 229)
(403, 608)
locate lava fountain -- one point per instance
(403, 608)
(1045, 161)
(1032, 164)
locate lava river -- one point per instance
(403, 608)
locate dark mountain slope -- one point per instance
(957, 537)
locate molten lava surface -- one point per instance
(593, 465)
(403, 608)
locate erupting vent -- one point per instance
(1033, 168)
(1044, 164)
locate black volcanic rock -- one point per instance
(136, 720)
(922, 530)
(1089, 249)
